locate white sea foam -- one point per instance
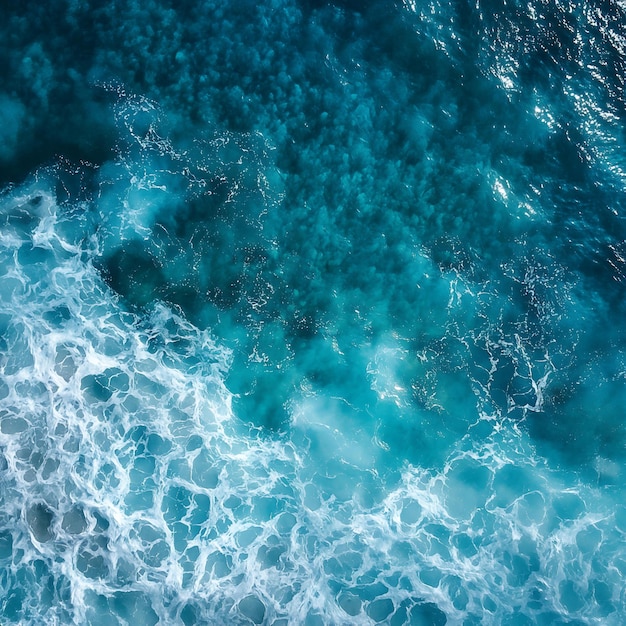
(132, 491)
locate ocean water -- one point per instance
(312, 312)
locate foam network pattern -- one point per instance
(135, 495)
(406, 286)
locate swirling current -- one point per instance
(313, 312)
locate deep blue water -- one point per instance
(312, 312)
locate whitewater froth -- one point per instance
(133, 491)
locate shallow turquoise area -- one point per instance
(312, 313)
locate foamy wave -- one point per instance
(132, 493)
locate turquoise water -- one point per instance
(312, 313)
